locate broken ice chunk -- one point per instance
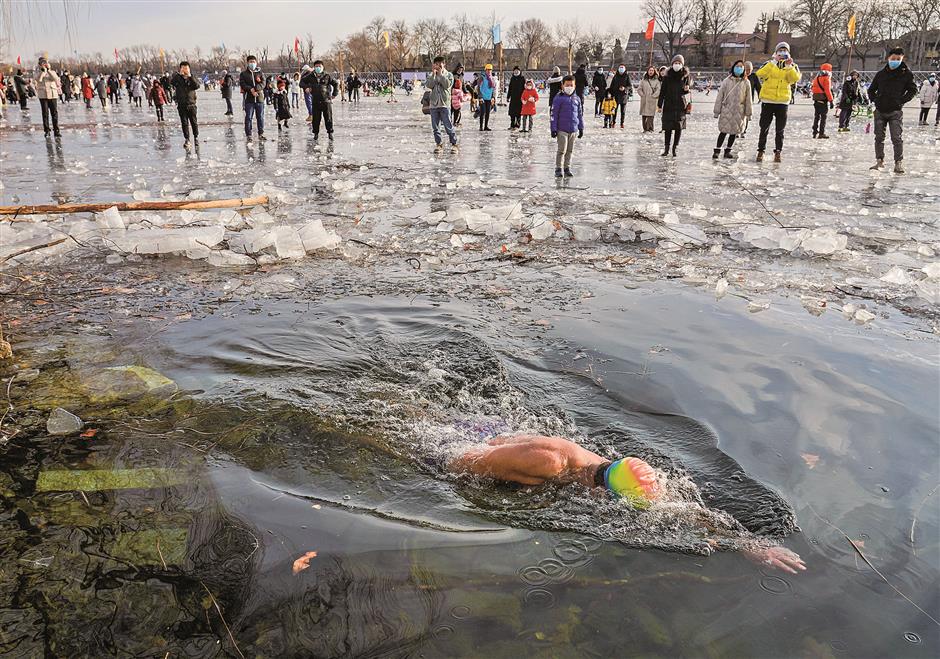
(863, 316)
(314, 236)
(225, 258)
(251, 241)
(932, 270)
(721, 288)
(824, 241)
(110, 219)
(755, 306)
(897, 275)
(584, 233)
(287, 243)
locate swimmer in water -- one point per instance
(537, 459)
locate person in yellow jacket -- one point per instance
(609, 109)
(777, 77)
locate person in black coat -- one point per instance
(599, 85)
(672, 101)
(227, 83)
(516, 87)
(322, 89)
(890, 89)
(554, 84)
(184, 88)
(580, 81)
(619, 88)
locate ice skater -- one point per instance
(537, 459)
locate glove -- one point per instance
(831, 105)
(554, 134)
(580, 133)
(716, 116)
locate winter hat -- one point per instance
(488, 67)
(679, 58)
(826, 67)
(783, 45)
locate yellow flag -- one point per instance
(161, 53)
(852, 27)
(385, 34)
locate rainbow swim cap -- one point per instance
(632, 478)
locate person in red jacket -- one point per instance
(529, 98)
(822, 100)
(158, 98)
(88, 90)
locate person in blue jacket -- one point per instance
(567, 120)
(485, 91)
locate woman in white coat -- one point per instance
(732, 108)
(649, 95)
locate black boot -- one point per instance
(716, 154)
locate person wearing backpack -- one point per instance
(439, 84)
(822, 100)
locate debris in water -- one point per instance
(303, 562)
(63, 422)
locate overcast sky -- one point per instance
(103, 25)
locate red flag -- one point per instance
(296, 45)
(18, 62)
(649, 29)
(115, 54)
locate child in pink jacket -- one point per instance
(456, 100)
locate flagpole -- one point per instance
(652, 42)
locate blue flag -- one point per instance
(496, 38)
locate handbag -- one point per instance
(426, 102)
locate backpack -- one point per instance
(426, 102)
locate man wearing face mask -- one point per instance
(599, 85)
(322, 89)
(928, 96)
(891, 88)
(251, 82)
(618, 87)
(777, 78)
(516, 87)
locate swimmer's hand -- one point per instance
(777, 557)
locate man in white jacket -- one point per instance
(48, 89)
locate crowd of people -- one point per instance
(665, 91)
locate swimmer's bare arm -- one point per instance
(758, 551)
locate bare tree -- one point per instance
(820, 21)
(674, 18)
(401, 42)
(569, 34)
(533, 36)
(715, 18)
(433, 37)
(918, 17)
